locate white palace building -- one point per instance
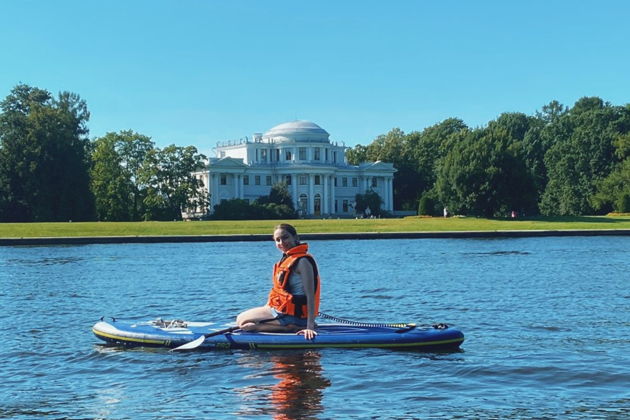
(300, 154)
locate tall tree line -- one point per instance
(44, 157)
(133, 180)
(51, 171)
(561, 161)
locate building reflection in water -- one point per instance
(297, 392)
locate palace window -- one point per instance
(287, 179)
(344, 207)
(303, 202)
(374, 182)
(268, 180)
(318, 180)
(245, 179)
(287, 155)
(344, 181)
(223, 179)
(355, 182)
(303, 180)
(263, 155)
(302, 153)
(317, 155)
(257, 180)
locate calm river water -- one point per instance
(547, 324)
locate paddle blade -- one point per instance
(191, 344)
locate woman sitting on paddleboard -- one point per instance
(293, 301)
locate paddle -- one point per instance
(199, 341)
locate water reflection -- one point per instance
(298, 394)
(543, 316)
(298, 386)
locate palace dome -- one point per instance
(297, 131)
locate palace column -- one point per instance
(311, 196)
(385, 196)
(332, 194)
(390, 194)
(386, 193)
(325, 209)
(294, 187)
(206, 182)
(214, 198)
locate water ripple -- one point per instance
(546, 324)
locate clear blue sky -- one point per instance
(197, 72)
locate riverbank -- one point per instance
(84, 240)
(259, 230)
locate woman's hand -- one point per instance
(307, 333)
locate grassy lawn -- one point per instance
(407, 224)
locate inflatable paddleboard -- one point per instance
(174, 333)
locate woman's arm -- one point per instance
(305, 270)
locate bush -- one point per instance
(623, 204)
(276, 211)
(428, 205)
(235, 209)
(370, 200)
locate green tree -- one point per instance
(44, 157)
(428, 204)
(277, 205)
(236, 209)
(613, 192)
(118, 162)
(368, 204)
(279, 194)
(111, 186)
(582, 157)
(357, 154)
(431, 145)
(484, 174)
(551, 112)
(171, 184)
(133, 149)
(415, 157)
(392, 147)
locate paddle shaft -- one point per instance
(223, 331)
(199, 340)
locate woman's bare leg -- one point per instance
(249, 320)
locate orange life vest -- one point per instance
(279, 297)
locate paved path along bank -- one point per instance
(83, 240)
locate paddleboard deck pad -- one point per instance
(174, 333)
